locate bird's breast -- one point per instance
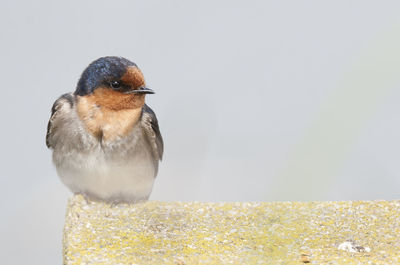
(120, 170)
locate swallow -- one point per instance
(106, 141)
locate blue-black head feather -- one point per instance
(101, 72)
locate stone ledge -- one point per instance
(232, 233)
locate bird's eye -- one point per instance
(115, 84)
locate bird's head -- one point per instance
(113, 82)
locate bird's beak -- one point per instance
(141, 90)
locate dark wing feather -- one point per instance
(150, 124)
(55, 110)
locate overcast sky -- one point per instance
(256, 100)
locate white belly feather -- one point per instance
(121, 171)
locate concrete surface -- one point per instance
(362, 232)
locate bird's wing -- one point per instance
(61, 105)
(150, 125)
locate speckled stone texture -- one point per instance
(232, 233)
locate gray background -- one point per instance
(257, 101)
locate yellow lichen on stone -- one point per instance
(231, 233)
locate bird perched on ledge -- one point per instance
(106, 141)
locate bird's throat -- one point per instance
(106, 124)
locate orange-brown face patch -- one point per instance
(115, 100)
(133, 77)
(105, 123)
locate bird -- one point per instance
(105, 140)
